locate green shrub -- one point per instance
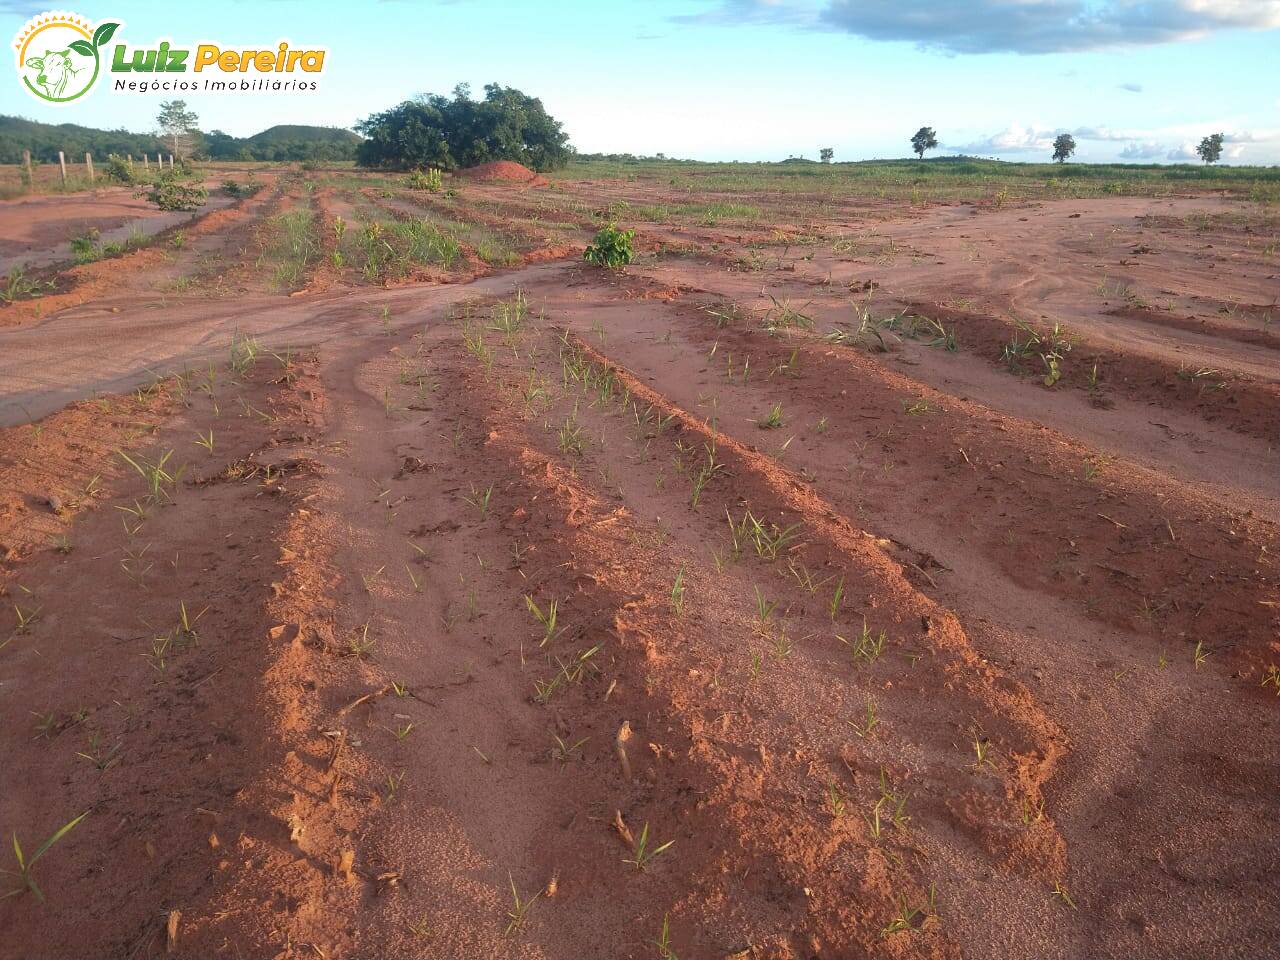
(167, 194)
(234, 189)
(119, 169)
(431, 180)
(611, 247)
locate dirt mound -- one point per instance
(504, 171)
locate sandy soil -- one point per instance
(432, 612)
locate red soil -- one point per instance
(504, 171)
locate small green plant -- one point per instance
(167, 194)
(564, 751)
(430, 180)
(101, 757)
(867, 646)
(869, 722)
(772, 420)
(119, 169)
(480, 499)
(642, 855)
(764, 610)
(663, 943)
(520, 908)
(1271, 678)
(611, 247)
(547, 618)
(909, 917)
(677, 593)
(23, 873)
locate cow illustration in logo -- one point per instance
(59, 55)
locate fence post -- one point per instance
(26, 166)
(171, 161)
(88, 162)
(146, 163)
(62, 163)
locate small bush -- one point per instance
(119, 169)
(430, 179)
(611, 247)
(168, 194)
(234, 189)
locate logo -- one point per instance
(60, 55)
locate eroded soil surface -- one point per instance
(842, 579)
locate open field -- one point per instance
(884, 564)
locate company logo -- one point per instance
(60, 55)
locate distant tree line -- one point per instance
(453, 132)
(44, 140)
(295, 143)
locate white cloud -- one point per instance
(1008, 26)
(1144, 150)
(1131, 87)
(1014, 138)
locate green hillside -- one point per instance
(282, 142)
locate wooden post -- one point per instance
(88, 162)
(26, 166)
(62, 162)
(146, 162)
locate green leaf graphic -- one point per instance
(104, 33)
(82, 47)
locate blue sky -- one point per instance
(755, 79)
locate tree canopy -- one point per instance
(1210, 148)
(1063, 147)
(444, 132)
(926, 138)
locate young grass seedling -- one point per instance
(869, 721)
(764, 610)
(909, 917)
(480, 499)
(520, 908)
(981, 748)
(641, 854)
(361, 645)
(102, 759)
(771, 420)
(866, 646)
(23, 873)
(677, 593)
(564, 751)
(547, 618)
(663, 943)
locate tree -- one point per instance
(1063, 147)
(1210, 148)
(437, 131)
(825, 154)
(925, 139)
(178, 123)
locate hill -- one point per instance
(44, 140)
(281, 142)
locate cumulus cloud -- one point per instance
(1014, 138)
(1008, 26)
(1144, 150)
